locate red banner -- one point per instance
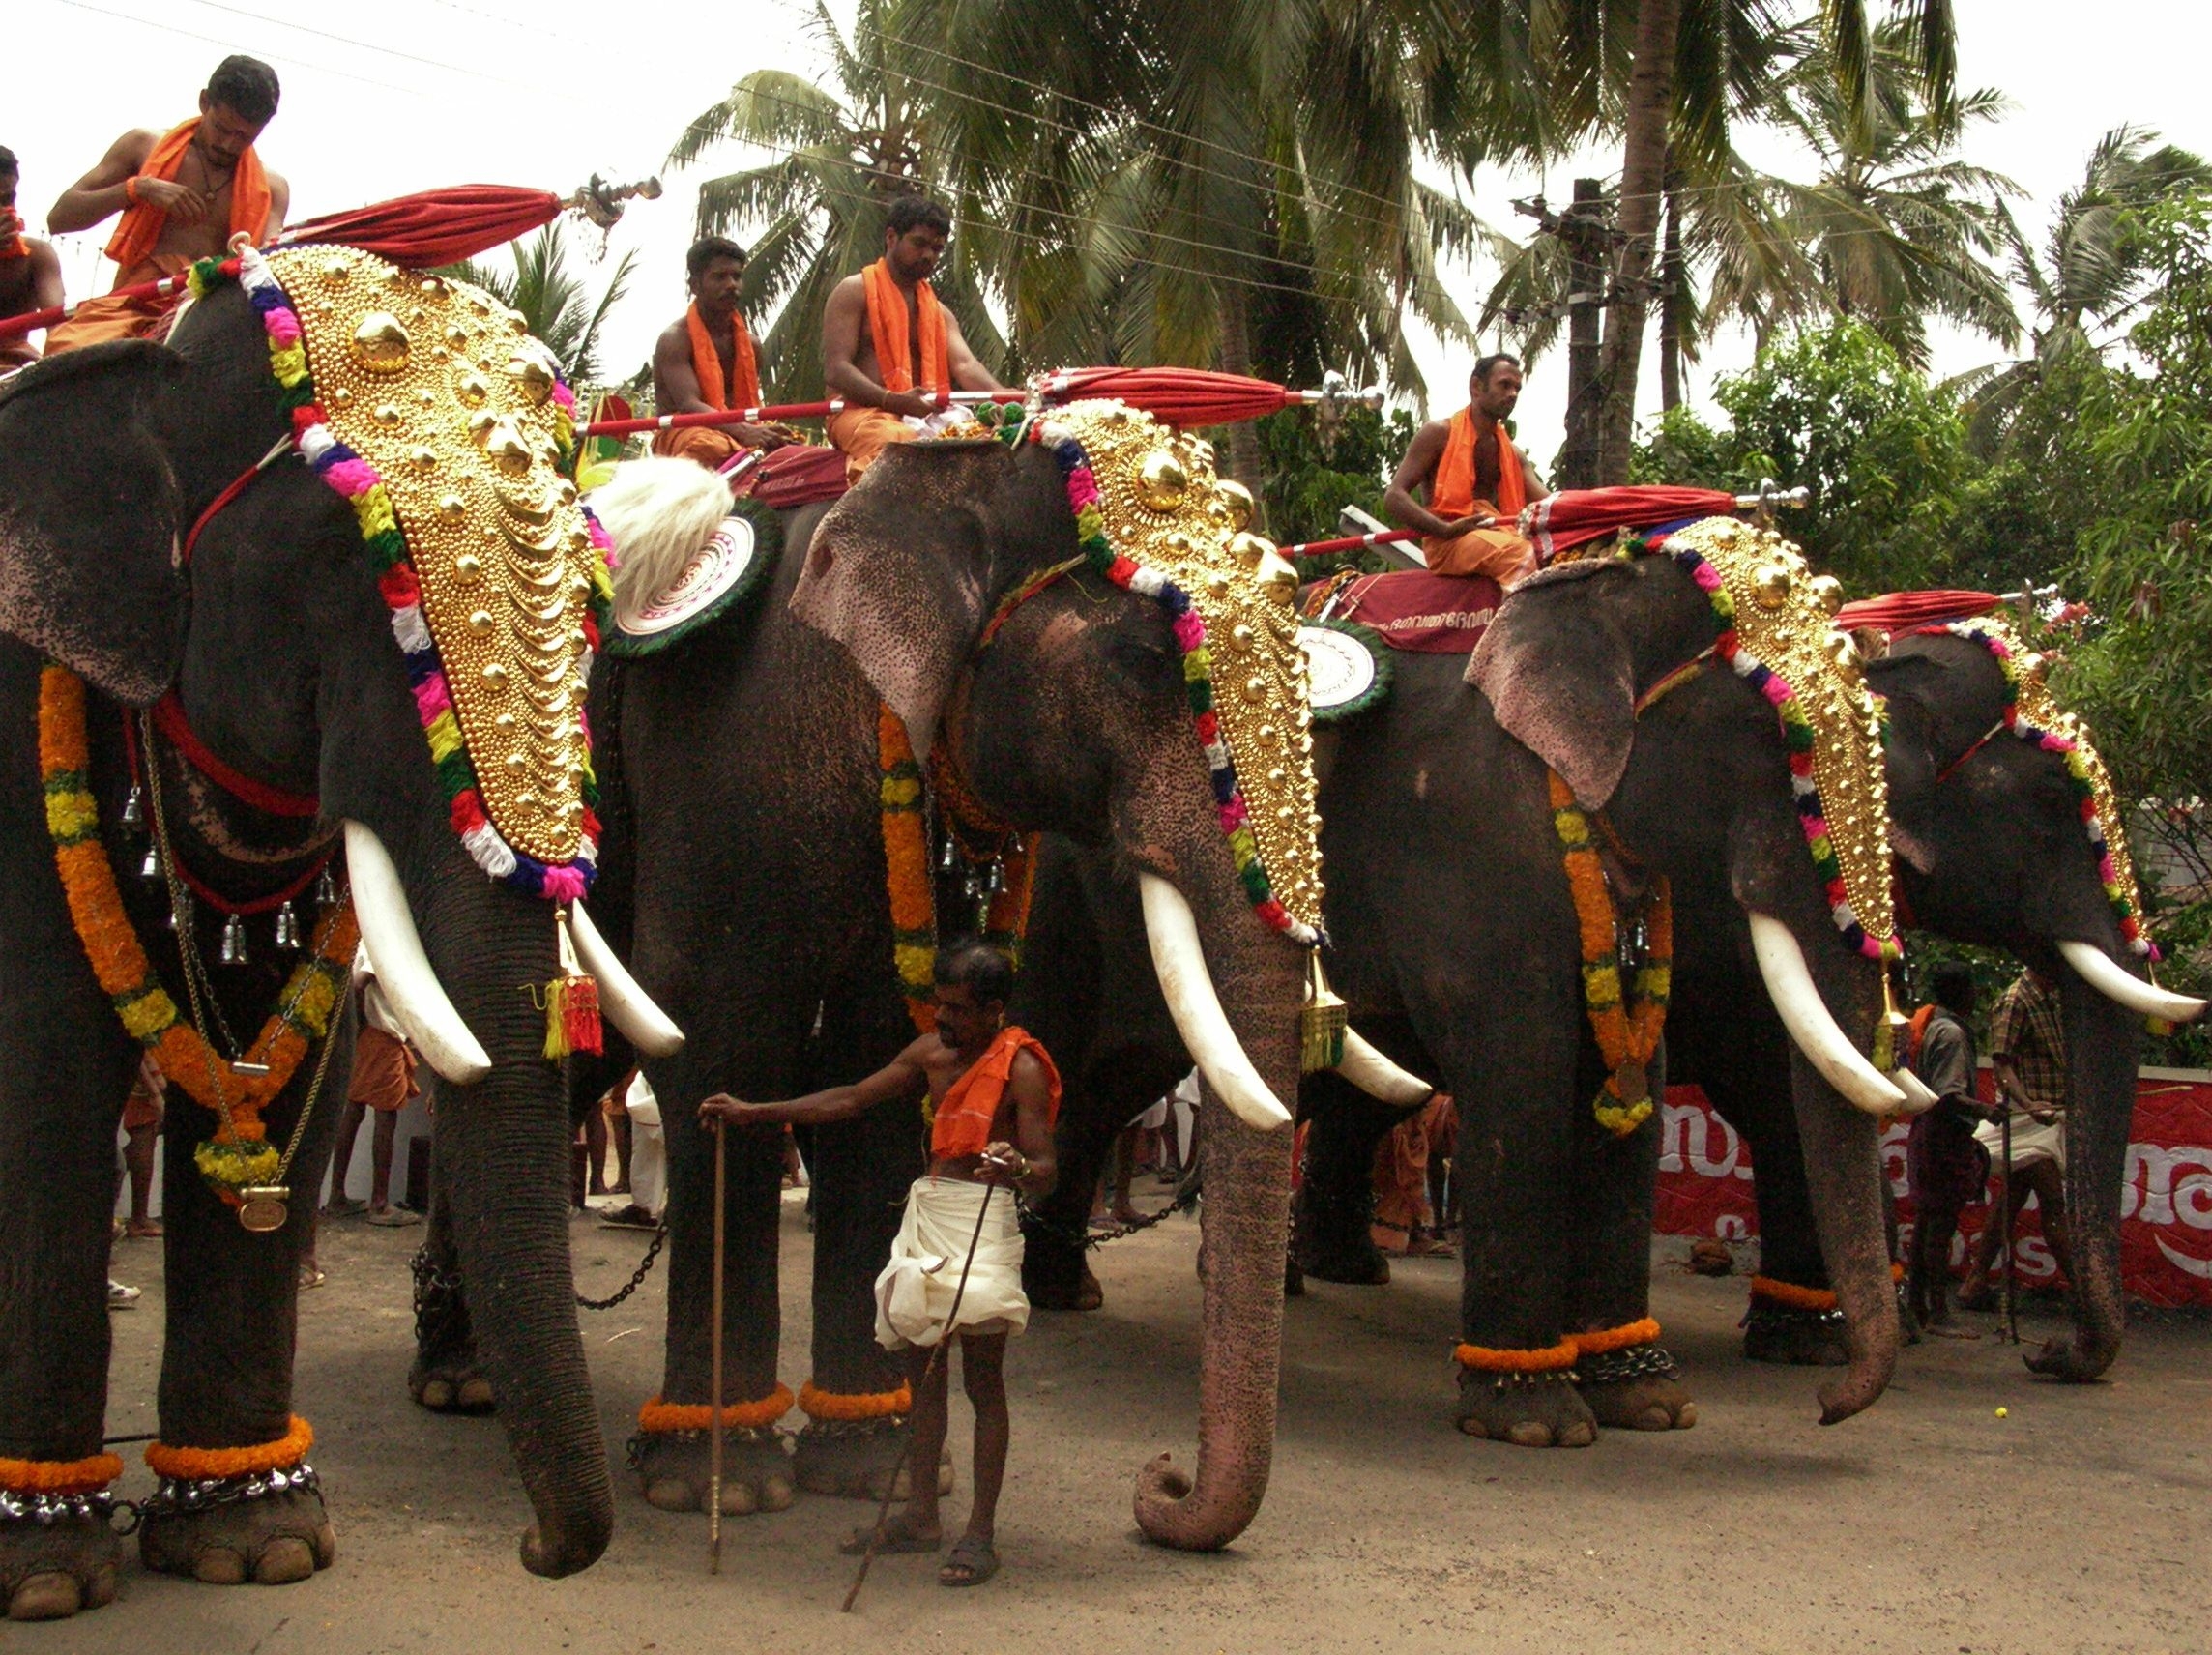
(2165, 1209)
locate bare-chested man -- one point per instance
(995, 1094)
(1476, 483)
(183, 195)
(703, 361)
(888, 346)
(30, 271)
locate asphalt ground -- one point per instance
(2078, 1521)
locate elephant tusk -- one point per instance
(627, 1006)
(410, 988)
(1805, 1014)
(2098, 969)
(1918, 1099)
(1379, 1077)
(1172, 930)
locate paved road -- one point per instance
(1928, 1525)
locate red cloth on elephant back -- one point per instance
(1429, 613)
(797, 474)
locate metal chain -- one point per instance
(637, 1276)
(1185, 1198)
(437, 1300)
(308, 1103)
(1634, 1362)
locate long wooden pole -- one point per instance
(714, 1383)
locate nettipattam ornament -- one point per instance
(1153, 517)
(1774, 615)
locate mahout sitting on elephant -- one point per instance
(1031, 618)
(235, 669)
(1458, 936)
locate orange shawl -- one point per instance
(141, 225)
(886, 326)
(706, 364)
(1451, 495)
(971, 1103)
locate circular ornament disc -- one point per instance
(1339, 668)
(262, 1213)
(720, 565)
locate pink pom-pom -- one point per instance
(1776, 690)
(352, 478)
(284, 326)
(432, 696)
(563, 885)
(1189, 631)
(1233, 813)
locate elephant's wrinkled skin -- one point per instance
(748, 780)
(281, 651)
(1454, 941)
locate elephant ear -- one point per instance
(1560, 675)
(901, 571)
(1915, 686)
(89, 518)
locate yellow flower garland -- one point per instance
(239, 1155)
(1627, 1038)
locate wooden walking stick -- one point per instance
(929, 1373)
(715, 1382)
(2011, 1333)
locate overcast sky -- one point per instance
(407, 94)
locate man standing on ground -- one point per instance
(888, 346)
(383, 1081)
(995, 1094)
(2027, 1050)
(183, 195)
(30, 271)
(1476, 483)
(703, 361)
(1945, 1166)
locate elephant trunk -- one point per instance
(1842, 1175)
(2102, 1043)
(1246, 1225)
(501, 1145)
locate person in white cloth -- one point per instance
(992, 1097)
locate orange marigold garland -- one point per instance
(830, 1405)
(238, 1155)
(1627, 1035)
(1551, 1359)
(196, 1464)
(1793, 1296)
(1600, 1341)
(60, 1476)
(905, 858)
(656, 1415)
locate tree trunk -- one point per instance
(1643, 178)
(1236, 358)
(1583, 230)
(1674, 300)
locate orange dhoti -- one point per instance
(863, 433)
(115, 316)
(1498, 553)
(709, 446)
(1401, 1172)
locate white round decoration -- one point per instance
(1339, 668)
(720, 564)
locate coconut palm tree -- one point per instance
(2092, 271)
(553, 302)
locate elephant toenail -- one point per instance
(775, 1495)
(219, 1566)
(283, 1560)
(475, 1393)
(1686, 1416)
(738, 1500)
(1529, 1435)
(671, 1493)
(48, 1595)
(326, 1545)
(1579, 1435)
(100, 1586)
(436, 1393)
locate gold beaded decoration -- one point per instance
(1782, 617)
(1165, 509)
(469, 461)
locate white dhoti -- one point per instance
(2031, 1142)
(914, 1293)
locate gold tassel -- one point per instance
(1321, 1022)
(1889, 1028)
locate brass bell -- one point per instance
(287, 927)
(1238, 499)
(326, 889)
(151, 867)
(949, 857)
(233, 940)
(135, 808)
(1162, 481)
(1828, 593)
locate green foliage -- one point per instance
(1317, 467)
(554, 303)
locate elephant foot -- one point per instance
(217, 1531)
(1353, 1266)
(1794, 1338)
(1060, 1289)
(450, 1383)
(2063, 1359)
(856, 1460)
(674, 1471)
(1531, 1411)
(1637, 1387)
(49, 1571)
(1294, 1279)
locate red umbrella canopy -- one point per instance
(437, 226)
(1187, 396)
(1576, 516)
(1903, 611)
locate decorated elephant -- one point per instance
(1988, 782)
(249, 714)
(1475, 826)
(1032, 615)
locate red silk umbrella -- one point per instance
(1184, 397)
(1576, 516)
(1904, 611)
(437, 226)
